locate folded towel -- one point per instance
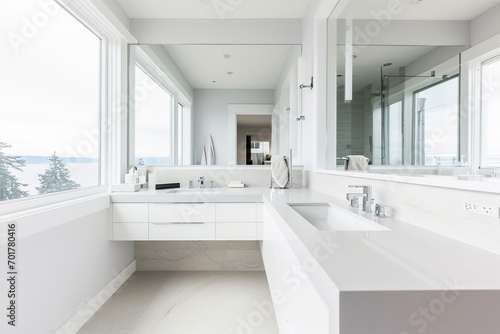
(208, 155)
(356, 162)
(279, 169)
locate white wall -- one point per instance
(210, 113)
(485, 26)
(217, 31)
(61, 268)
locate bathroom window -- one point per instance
(490, 113)
(50, 112)
(153, 121)
(436, 119)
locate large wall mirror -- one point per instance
(240, 99)
(393, 92)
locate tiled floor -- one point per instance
(189, 302)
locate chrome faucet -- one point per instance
(366, 195)
(201, 181)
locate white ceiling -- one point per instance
(253, 66)
(210, 9)
(258, 66)
(419, 10)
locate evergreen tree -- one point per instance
(10, 187)
(56, 177)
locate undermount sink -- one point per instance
(324, 216)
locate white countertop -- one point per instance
(405, 258)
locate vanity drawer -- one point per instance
(130, 231)
(238, 212)
(181, 212)
(239, 231)
(130, 212)
(182, 231)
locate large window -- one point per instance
(50, 90)
(153, 121)
(437, 128)
(490, 113)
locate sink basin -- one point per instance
(324, 216)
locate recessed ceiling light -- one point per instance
(226, 55)
(230, 73)
(214, 81)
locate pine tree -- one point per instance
(56, 177)
(10, 187)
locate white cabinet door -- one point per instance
(182, 231)
(181, 212)
(130, 221)
(238, 231)
(181, 221)
(238, 212)
(130, 231)
(238, 221)
(130, 212)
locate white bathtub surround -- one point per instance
(198, 256)
(188, 302)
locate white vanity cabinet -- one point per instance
(298, 306)
(187, 221)
(130, 221)
(239, 221)
(181, 221)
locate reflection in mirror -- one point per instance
(254, 139)
(403, 109)
(180, 94)
(400, 113)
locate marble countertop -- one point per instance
(183, 195)
(405, 258)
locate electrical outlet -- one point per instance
(485, 210)
(488, 210)
(468, 206)
(471, 207)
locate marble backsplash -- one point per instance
(198, 255)
(221, 175)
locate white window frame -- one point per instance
(481, 138)
(474, 103)
(152, 69)
(113, 111)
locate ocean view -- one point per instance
(84, 173)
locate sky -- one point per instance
(49, 80)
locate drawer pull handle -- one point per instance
(180, 223)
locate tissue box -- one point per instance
(236, 184)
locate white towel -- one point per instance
(208, 155)
(356, 162)
(279, 169)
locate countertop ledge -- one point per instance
(406, 258)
